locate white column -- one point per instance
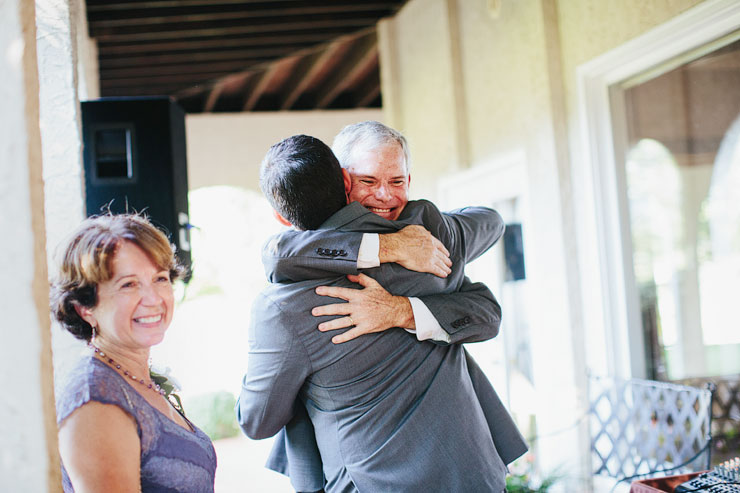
(60, 117)
(57, 22)
(28, 457)
(390, 85)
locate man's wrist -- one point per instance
(388, 248)
(404, 313)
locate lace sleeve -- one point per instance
(92, 380)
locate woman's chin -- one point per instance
(152, 339)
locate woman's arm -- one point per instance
(100, 449)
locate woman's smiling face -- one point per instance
(135, 305)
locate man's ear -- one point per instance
(408, 180)
(85, 314)
(281, 219)
(347, 183)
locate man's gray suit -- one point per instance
(390, 413)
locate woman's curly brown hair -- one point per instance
(86, 261)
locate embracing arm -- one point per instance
(472, 313)
(277, 366)
(469, 314)
(474, 230)
(92, 438)
(298, 255)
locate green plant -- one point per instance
(524, 479)
(523, 483)
(169, 386)
(214, 414)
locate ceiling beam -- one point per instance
(163, 80)
(106, 49)
(303, 78)
(215, 31)
(227, 87)
(367, 91)
(190, 92)
(361, 55)
(264, 81)
(212, 98)
(98, 6)
(183, 68)
(248, 56)
(240, 55)
(94, 6)
(159, 16)
(142, 91)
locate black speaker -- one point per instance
(514, 252)
(135, 160)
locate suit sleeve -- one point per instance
(298, 255)
(295, 453)
(475, 230)
(277, 366)
(471, 314)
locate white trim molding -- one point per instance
(473, 186)
(610, 300)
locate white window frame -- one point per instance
(611, 310)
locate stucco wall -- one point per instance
(589, 28)
(423, 88)
(227, 149)
(60, 118)
(27, 425)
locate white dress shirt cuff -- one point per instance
(369, 254)
(427, 326)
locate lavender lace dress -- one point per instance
(173, 459)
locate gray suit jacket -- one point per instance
(390, 413)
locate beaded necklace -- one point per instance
(151, 385)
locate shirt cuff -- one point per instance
(369, 254)
(427, 326)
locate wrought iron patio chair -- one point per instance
(725, 414)
(645, 428)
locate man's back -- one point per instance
(390, 413)
(382, 405)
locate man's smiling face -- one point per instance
(380, 181)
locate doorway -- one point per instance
(682, 172)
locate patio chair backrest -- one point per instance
(642, 427)
(725, 413)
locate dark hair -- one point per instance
(86, 261)
(302, 179)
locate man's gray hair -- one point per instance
(367, 136)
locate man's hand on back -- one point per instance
(415, 249)
(371, 309)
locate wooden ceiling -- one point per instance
(232, 56)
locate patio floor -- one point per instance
(241, 467)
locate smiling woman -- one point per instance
(114, 290)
